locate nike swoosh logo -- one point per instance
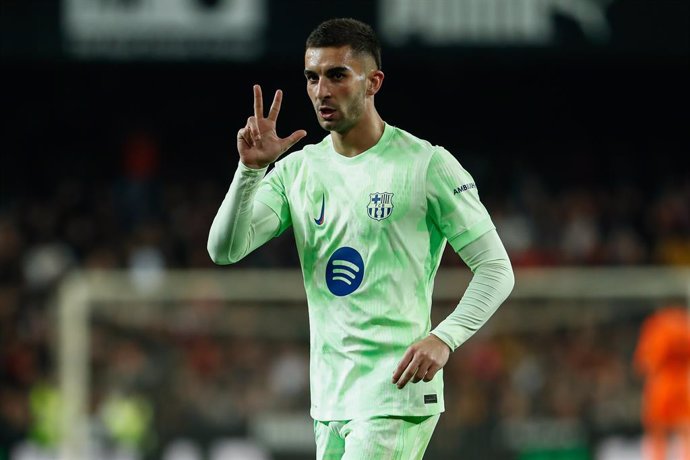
(319, 221)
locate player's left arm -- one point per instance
(455, 207)
(491, 283)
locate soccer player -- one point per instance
(371, 207)
(662, 357)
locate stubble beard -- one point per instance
(343, 125)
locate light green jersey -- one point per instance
(370, 231)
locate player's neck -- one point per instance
(361, 137)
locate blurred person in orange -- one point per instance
(662, 357)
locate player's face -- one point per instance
(336, 84)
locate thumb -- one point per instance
(293, 138)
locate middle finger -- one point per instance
(258, 103)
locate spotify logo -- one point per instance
(344, 272)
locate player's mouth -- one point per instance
(327, 113)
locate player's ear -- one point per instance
(374, 82)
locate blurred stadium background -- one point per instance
(119, 339)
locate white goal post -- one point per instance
(80, 291)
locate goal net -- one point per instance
(197, 365)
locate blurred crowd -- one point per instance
(141, 221)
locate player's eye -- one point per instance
(311, 77)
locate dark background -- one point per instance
(574, 110)
(579, 148)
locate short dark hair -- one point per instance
(346, 32)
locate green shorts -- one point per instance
(375, 438)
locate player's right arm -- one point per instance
(241, 225)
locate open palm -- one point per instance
(258, 143)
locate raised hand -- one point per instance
(258, 143)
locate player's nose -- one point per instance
(323, 89)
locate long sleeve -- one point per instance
(242, 224)
(491, 283)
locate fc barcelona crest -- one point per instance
(380, 205)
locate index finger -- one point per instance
(258, 103)
(409, 373)
(404, 362)
(275, 106)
